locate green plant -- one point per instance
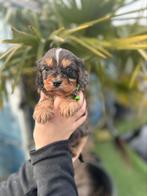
(91, 34)
(116, 55)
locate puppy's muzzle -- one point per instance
(57, 83)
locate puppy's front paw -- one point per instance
(43, 111)
(68, 109)
(42, 117)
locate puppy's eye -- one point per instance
(71, 73)
(45, 68)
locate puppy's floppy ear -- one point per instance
(83, 77)
(39, 78)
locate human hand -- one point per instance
(59, 128)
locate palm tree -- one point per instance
(115, 55)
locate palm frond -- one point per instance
(143, 54)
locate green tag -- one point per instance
(77, 98)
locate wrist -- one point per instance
(49, 151)
(43, 141)
(45, 135)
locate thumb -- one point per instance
(57, 102)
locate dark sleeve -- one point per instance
(21, 183)
(53, 170)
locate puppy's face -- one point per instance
(59, 73)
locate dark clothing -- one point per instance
(49, 173)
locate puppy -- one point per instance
(61, 73)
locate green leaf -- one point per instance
(10, 55)
(21, 37)
(36, 32)
(88, 24)
(96, 44)
(134, 75)
(85, 45)
(132, 40)
(128, 179)
(19, 69)
(4, 54)
(143, 54)
(40, 50)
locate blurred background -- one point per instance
(111, 37)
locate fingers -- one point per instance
(80, 121)
(80, 102)
(57, 102)
(81, 111)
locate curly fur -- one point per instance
(64, 54)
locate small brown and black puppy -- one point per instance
(61, 73)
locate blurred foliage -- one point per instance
(87, 30)
(129, 178)
(115, 54)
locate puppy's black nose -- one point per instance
(57, 83)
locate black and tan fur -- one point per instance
(59, 72)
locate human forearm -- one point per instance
(53, 170)
(20, 183)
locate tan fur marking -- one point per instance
(66, 62)
(49, 62)
(68, 107)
